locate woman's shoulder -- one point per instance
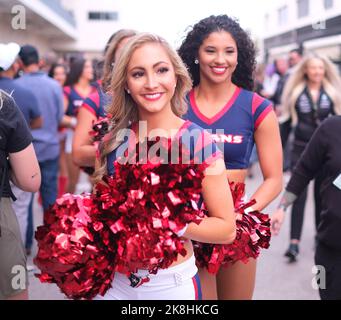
(257, 102)
(93, 97)
(191, 126)
(195, 133)
(67, 90)
(255, 96)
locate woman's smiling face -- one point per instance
(218, 57)
(150, 78)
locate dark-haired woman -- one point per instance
(93, 108)
(78, 86)
(58, 72)
(221, 59)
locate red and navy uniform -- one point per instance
(96, 103)
(75, 99)
(198, 144)
(201, 148)
(233, 127)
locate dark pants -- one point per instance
(297, 212)
(285, 130)
(330, 260)
(48, 190)
(30, 227)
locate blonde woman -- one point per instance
(312, 93)
(18, 163)
(149, 84)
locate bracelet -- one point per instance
(283, 207)
(181, 232)
(73, 122)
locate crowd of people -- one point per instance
(303, 89)
(213, 84)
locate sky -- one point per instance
(170, 18)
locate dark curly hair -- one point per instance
(188, 51)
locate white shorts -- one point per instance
(245, 199)
(180, 282)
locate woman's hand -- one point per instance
(277, 220)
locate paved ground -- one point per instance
(276, 279)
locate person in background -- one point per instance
(295, 57)
(18, 163)
(47, 61)
(283, 73)
(271, 79)
(281, 67)
(259, 78)
(49, 95)
(28, 105)
(78, 86)
(58, 72)
(93, 108)
(322, 151)
(311, 94)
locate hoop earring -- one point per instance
(196, 61)
(128, 91)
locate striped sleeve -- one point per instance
(201, 145)
(67, 92)
(260, 109)
(206, 150)
(92, 103)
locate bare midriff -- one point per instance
(237, 175)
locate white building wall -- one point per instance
(92, 34)
(329, 46)
(317, 13)
(33, 23)
(7, 34)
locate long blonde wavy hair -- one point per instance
(123, 109)
(298, 80)
(109, 58)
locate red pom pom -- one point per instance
(129, 223)
(69, 251)
(147, 205)
(253, 233)
(100, 128)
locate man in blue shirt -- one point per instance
(25, 99)
(45, 139)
